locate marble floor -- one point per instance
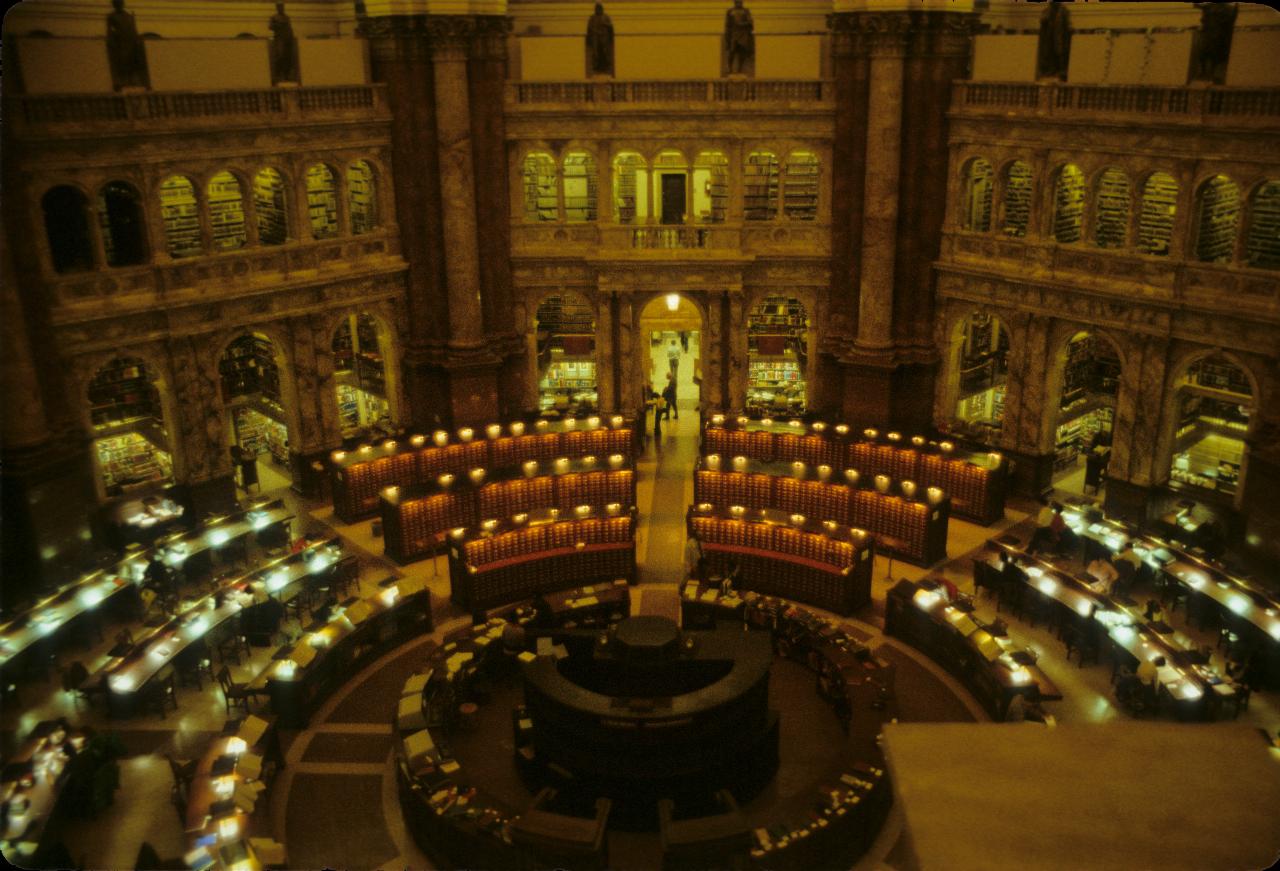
(339, 768)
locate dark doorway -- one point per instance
(673, 198)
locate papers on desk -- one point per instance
(270, 853)
(528, 656)
(583, 602)
(458, 660)
(302, 654)
(416, 684)
(246, 795)
(409, 586)
(249, 766)
(409, 714)
(251, 730)
(359, 612)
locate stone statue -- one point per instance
(125, 52)
(739, 41)
(600, 44)
(1213, 47)
(1055, 42)
(284, 48)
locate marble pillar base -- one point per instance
(1129, 502)
(1261, 519)
(1032, 473)
(892, 395)
(215, 496)
(426, 391)
(308, 473)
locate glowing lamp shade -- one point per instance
(797, 520)
(440, 437)
(797, 469)
(737, 510)
(673, 301)
(389, 445)
(457, 532)
(593, 422)
(391, 493)
(795, 424)
(882, 483)
(870, 433)
(717, 419)
(541, 426)
(339, 456)
(712, 462)
(842, 429)
(466, 434)
(819, 426)
(616, 461)
(418, 441)
(530, 468)
(824, 472)
(561, 465)
(219, 537)
(517, 428)
(894, 436)
(830, 525)
(909, 489)
(859, 534)
(851, 475)
(445, 481)
(553, 513)
(766, 421)
(743, 420)
(996, 459)
(589, 461)
(918, 441)
(520, 519)
(934, 495)
(583, 511)
(704, 507)
(570, 423)
(613, 509)
(366, 449)
(493, 430)
(489, 525)
(946, 447)
(739, 463)
(477, 476)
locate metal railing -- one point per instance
(1061, 98)
(673, 91)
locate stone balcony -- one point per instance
(619, 95)
(1125, 274)
(661, 242)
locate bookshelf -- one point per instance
(1217, 374)
(1159, 205)
(268, 200)
(580, 187)
(248, 368)
(226, 212)
(260, 433)
(760, 191)
(1068, 204)
(711, 171)
(1017, 199)
(1262, 247)
(322, 202)
(122, 391)
(978, 186)
(800, 195)
(1218, 220)
(361, 197)
(777, 347)
(181, 218)
(540, 188)
(1111, 223)
(131, 458)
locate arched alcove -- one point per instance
(565, 355)
(539, 182)
(66, 227)
(360, 355)
(180, 213)
(671, 187)
(1111, 209)
(1262, 241)
(124, 238)
(1085, 407)
(978, 182)
(226, 212)
(322, 201)
(760, 186)
(362, 197)
(711, 187)
(1215, 402)
(580, 183)
(800, 191)
(269, 203)
(131, 446)
(671, 328)
(1217, 219)
(1068, 204)
(980, 348)
(1159, 208)
(257, 420)
(1018, 189)
(777, 356)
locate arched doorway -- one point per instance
(258, 429)
(671, 330)
(564, 354)
(131, 448)
(1215, 403)
(777, 356)
(360, 376)
(1086, 411)
(981, 364)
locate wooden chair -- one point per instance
(184, 772)
(233, 692)
(193, 665)
(161, 693)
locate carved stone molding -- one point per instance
(451, 36)
(490, 42)
(876, 33)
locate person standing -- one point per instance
(673, 358)
(669, 397)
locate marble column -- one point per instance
(450, 39)
(24, 418)
(735, 339)
(849, 151)
(604, 352)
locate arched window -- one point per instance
(362, 197)
(1017, 199)
(1159, 205)
(1215, 403)
(978, 177)
(1068, 204)
(564, 336)
(1111, 219)
(800, 196)
(1217, 219)
(777, 356)
(630, 188)
(981, 348)
(66, 225)
(322, 201)
(539, 173)
(671, 195)
(1262, 244)
(268, 200)
(360, 375)
(131, 443)
(760, 186)
(226, 212)
(120, 213)
(710, 187)
(181, 215)
(580, 187)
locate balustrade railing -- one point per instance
(1060, 98)
(671, 91)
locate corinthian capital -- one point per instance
(450, 35)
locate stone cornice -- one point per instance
(895, 33)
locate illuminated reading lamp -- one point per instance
(851, 475)
(934, 495)
(365, 449)
(842, 429)
(819, 427)
(477, 476)
(859, 534)
(894, 436)
(797, 520)
(739, 463)
(613, 509)
(445, 481)
(870, 433)
(466, 434)
(583, 511)
(277, 581)
(717, 419)
(285, 670)
(228, 828)
(561, 465)
(418, 441)
(925, 599)
(909, 489)
(553, 513)
(743, 420)
(530, 468)
(673, 301)
(616, 461)
(391, 493)
(219, 537)
(796, 424)
(389, 596)
(570, 423)
(946, 447)
(918, 441)
(91, 597)
(589, 461)
(996, 459)
(440, 437)
(457, 533)
(712, 462)
(121, 683)
(236, 745)
(704, 507)
(339, 456)
(389, 445)
(493, 430)
(824, 472)
(517, 428)
(541, 426)
(616, 421)
(830, 525)
(737, 511)
(520, 519)
(797, 469)
(489, 525)
(766, 421)
(593, 422)
(882, 483)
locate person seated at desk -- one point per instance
(1129, 555)
(1043, 538)
(543, 616)
(1154, 613)
(1104, 572)
(1149, 671)
(157, 577)
(1010, 573)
